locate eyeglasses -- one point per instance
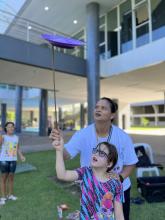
(101, 153)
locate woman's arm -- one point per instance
(118, 209)
(127, 171)
(1, 139)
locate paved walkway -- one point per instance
(31, 142)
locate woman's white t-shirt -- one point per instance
(83, 141)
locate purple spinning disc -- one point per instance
(61, 41)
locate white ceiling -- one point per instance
(146, 84)
(69, 87)
(61, 13)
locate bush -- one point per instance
(144, 121)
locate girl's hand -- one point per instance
(23, 159)
(58, 141)
(55, 134)
(58, 144)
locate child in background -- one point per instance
(101, 189)
(9, 144)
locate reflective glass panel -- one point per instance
(102, 34)
(112, 33)
(142, 24)
(102, 51)
(142, 35)
(137, 1)
(102, 20)
(126, 26)
(141, 13)
(158, 18)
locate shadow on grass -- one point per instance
(73, 187)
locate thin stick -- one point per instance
(54, 87)
(164, 101)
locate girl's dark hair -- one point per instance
(113, 105)
(7, 123)
(112, 156)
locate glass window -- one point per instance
(102, 51)
(3, 86)
(112, 33)
(102, 34)
(26, 88)
(161, 108)
(79, 51)
(102, 20)
(79, 35)
(126, 26)
(162, 119)
(102, 37)
(142, 34)
(142, 24)
(12, 87)
(141, 13)
(158, 18)
(9, 7)
(137, 1)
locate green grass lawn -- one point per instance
(146, 128)
(39, 195)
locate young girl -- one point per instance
(101, 190)
(9, 143)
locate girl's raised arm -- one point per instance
(62, 173)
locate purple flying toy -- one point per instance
(63, 42)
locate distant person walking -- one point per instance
(9, 144)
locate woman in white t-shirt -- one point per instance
(103, 130)
(9, 144)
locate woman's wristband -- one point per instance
(121, 178)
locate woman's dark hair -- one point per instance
(112, 156)
(113, 105)
(7, 123)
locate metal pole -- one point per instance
(164, 101)
(54, 87)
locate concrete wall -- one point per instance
(146, 55)
(37, 55)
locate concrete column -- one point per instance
(59, 114)
(124, 115)
(156, 111)
(18, 107)
(93, 67)
(43, 114)
(59, 120)
(3, 115)
(31, 117)
(82, 116)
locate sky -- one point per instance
(8, 10)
